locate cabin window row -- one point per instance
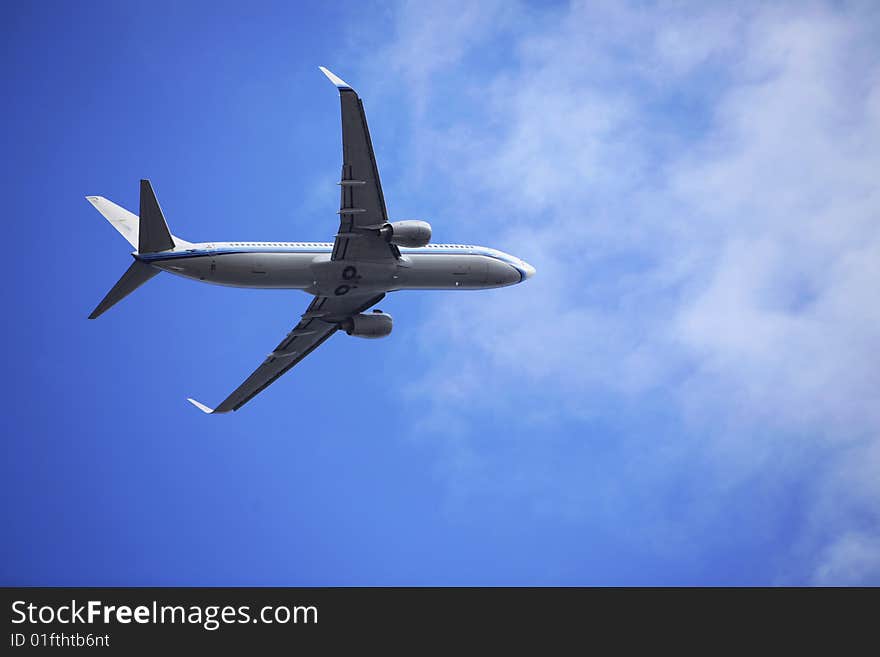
(290, 244)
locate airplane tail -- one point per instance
(136, 275)
(147, 233)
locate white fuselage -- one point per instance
(307, 266)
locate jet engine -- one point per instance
(368, 325)
(407, 233)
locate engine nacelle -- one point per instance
(407, 233)
(368, 325)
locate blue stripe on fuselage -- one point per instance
(199, 253)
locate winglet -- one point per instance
(200, 406)
(339, 82)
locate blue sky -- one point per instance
(686, 393)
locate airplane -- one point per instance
(369, 257)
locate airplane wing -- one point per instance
(362, 205)
(319, 322)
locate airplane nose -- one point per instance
(528, 269)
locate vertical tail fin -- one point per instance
(136, 275)
(120, 218)
(153, 234)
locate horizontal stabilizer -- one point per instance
(136, 275)
(154, 235)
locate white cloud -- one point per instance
(698, 191)
(851, 560)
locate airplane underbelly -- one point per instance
(445, 272)
(257, 270)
